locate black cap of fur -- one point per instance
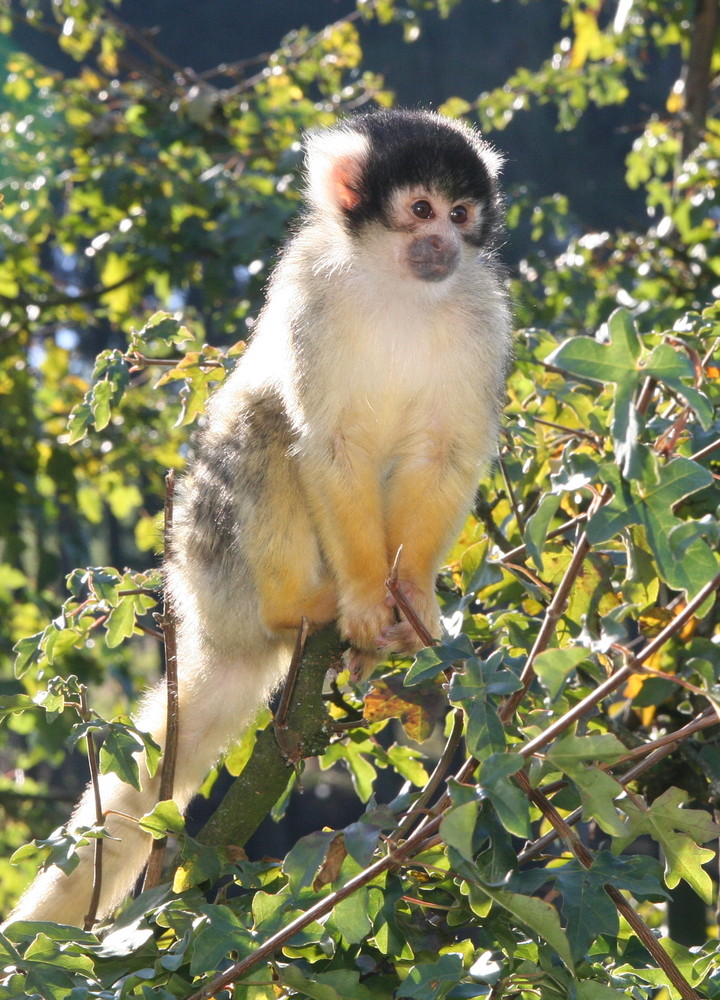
(421, 149)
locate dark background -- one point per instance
(475, 49)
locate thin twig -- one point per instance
(91, 914)
(655, 751)
(153, 873)
(553, 613)
(585, 858)
(436, 778)
(615, 680)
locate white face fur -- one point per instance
(435, 227)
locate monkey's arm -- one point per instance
(344, 492)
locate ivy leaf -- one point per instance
(679, 832)
(303, 861)
(535, 914)
(351, 916)
(121, 622)
(650, 504)
(616, 361)
(165, 818)
(554, 666)
(506, 797)
(571, 750)
(51, 967)
(10, 704)
(670, 366)
(537, 526)
(222, 932)
(587, 908)
(118, 754)
(418, 710)
(471, 689)
(432, 660)
(432, 980)
(457, 828)
(341, 984)
(60, 848)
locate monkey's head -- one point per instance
(430, 180)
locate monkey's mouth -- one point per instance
(432, 258)
(428, 270)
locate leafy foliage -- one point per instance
(582, 629)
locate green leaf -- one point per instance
(28, 652)
(537, 526)
(221, 934)
(571, 750)
(679, 832)
(432, 980)
(351, 917)
(165, 818)
(535, 914)
(507, 798)
(119, 752)
(79, 421)
(15, 703)
(598, 791)
(650, 504)
(554, 666)
(341, 984)
(432, 660)
(586, 906)
(457, 828)
(303, 861)
(121, 622)
(616, 361)
(471, 689)
(670, 365)
(50, 968)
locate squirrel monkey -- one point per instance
(358, 420)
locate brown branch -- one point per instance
(553, 613)
(585, 858)
(697, 75)
(153, 872)
(91, 914)
(436, 778)
(615, 680)
(655, 751)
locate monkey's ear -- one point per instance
(335, 162)
(493, 160)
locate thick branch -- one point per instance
(167, 777)
(266, 774)
(697, 79)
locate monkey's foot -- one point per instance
(402, 637)
(360, 663)
(362, 621)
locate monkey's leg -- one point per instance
(343, 487)
(426, 503)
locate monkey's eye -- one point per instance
(458, 215)
(422, 209)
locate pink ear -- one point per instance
(344, 178)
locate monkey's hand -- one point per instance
(363, 620)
